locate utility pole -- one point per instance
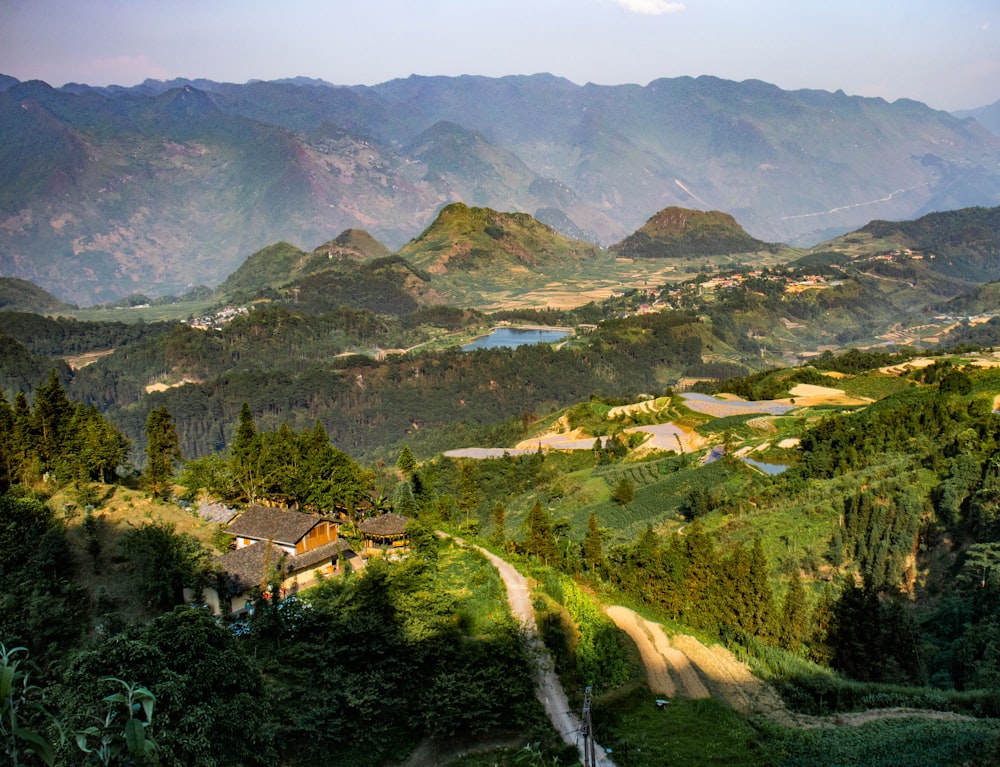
(587, 731)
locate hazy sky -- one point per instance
(945, 53)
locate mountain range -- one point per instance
(110, 191)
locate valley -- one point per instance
(269, 162)
(757, 480)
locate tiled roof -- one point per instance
(384, 524)
(318, 556)
(246, 566)
(267, 524)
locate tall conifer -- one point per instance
(162, 451)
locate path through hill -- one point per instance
(548, 688)
(683, 667)
(547, 685)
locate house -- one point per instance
(296, 547)
(385, 534)
(292, 531)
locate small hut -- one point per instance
(385, 534)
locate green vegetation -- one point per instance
(863, 576)
(677, 232)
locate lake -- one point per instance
(512, 337)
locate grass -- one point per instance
(163, 312)
(119, 510)
(888, 743)
(694, 733)
(873, 385)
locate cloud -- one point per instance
(649, 7)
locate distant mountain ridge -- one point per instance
(106, 191)
(987, 116)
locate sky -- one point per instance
(945, 53)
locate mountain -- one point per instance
(960, 244)
(21, 296)
(281, 263)
(106, 192)
(679, 232)
(468, 239)
(988, 117)
(354, 270)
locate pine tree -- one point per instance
(541, 540)
(760, 597)
(162, 451)
(403, 502)
(24, 457)
(794, 613)
(593, 556)
(246, 457)
(6, 440)
(406, 462)
(50, 417)
(499, 535)
(469, 492)
(820, 629)
(624, 491)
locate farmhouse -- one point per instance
(277, 543)
(292, 531)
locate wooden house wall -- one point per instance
(322, 534)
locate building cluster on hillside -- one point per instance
(286, 550)
(217, 319)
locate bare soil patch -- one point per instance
(682, 666)
(809, 394)
(78, 361)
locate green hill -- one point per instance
(464, 239)
(280, 264)
(22, 296)
(680, 232)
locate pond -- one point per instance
(772, 469)
(513, 337)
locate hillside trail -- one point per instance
(683, 667)
(548, 688)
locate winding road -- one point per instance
(548, 688)
(676, 667)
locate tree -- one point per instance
(624, 491)
(165, 562)
(50, 416)
(469, 492)
(593, 557)
(406, 462)
(211, 705)
(6, 440)
(499, 535)
(162, 451)
(246, 457)
(541, 539)
(794, 613)
(403, 501)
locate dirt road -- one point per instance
(547, 685)
(681, 666)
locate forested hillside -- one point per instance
(860, 576)
(832, 522)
